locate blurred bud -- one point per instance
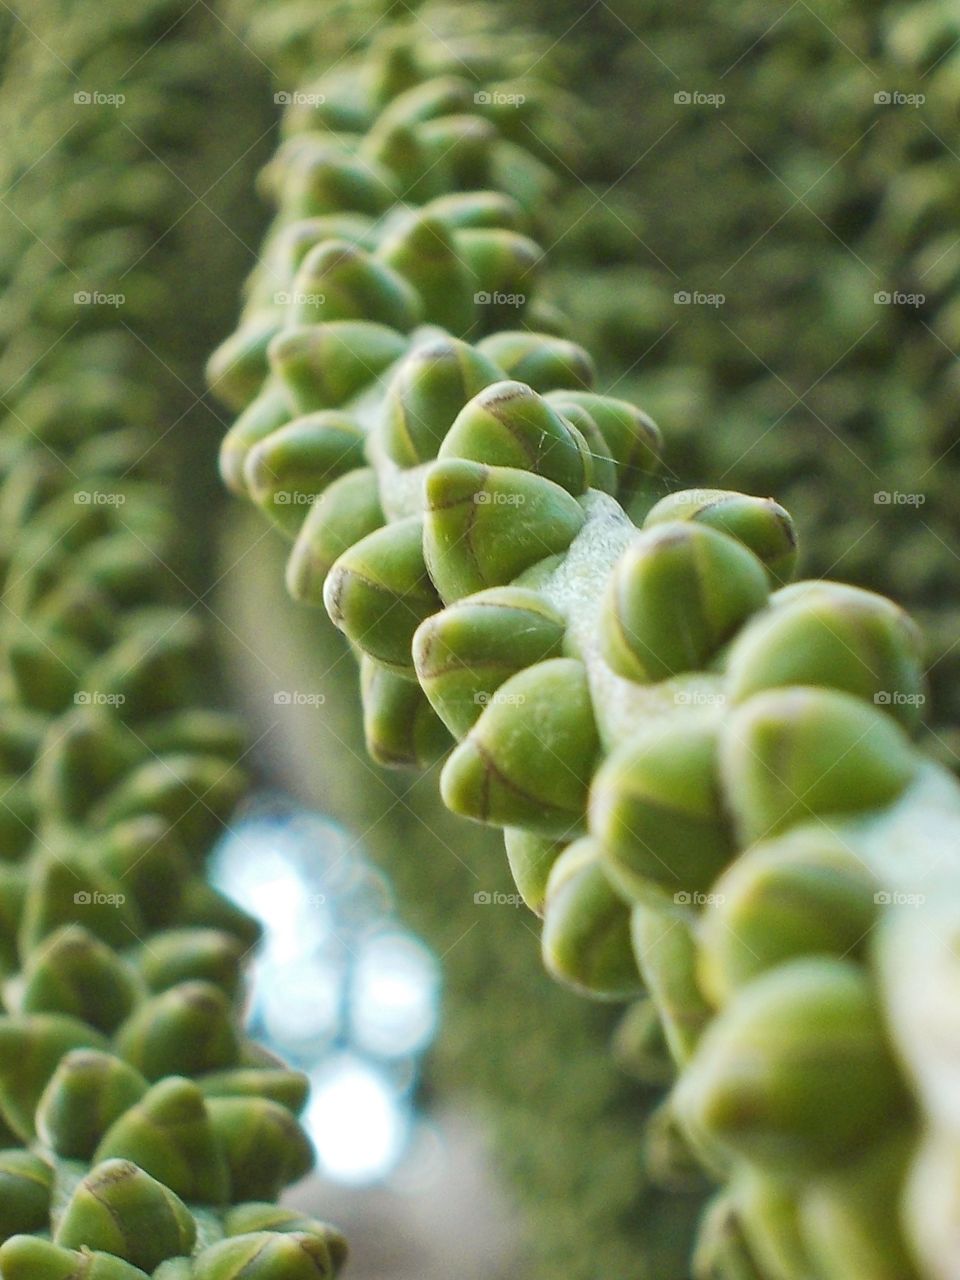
(322, 366)
(264, 1145)
(540, 360)
(401, 729)
(531, 858)
(26, 1182)
(77, 974)
(184, 1031)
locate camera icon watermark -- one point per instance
(498, 98)
(98, 498)
(299, 99)
(893, 898)
(895, 698)
(896, 98)
(695, 298)
(85, 98)
(484, 898)
(898, 298)
(499, 299)
(294, 698)
(84, 898)
(684, 898)
(695, 98)
(94, 698)
(895, 498)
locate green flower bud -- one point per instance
(400, 727)
(74, 973)
(460, 147)
(27, 1258)
(180, 955)
(793, 754)
(476, 209)
(485, 525)
(722, 1252)
(238, 367)
(247, 1218)
(531, 858)
(153, 669)
(503, 266)
(399, 151)
(88, 1091)
(426, 393)
(657, 813)
(288, 1088)
(169, 787)
(321, 366)
(13, 892)
(667, 1156)
(25, 1186)
(849, 1220)
(349, 511)
(463, 654)
(287, 472)
(119, 1209)
(264, 1146)
(527, 761)
(43, 669)
(796, 1073)
(771, 1223)
(539, 360)
(826, 633)
(169, 1135)
(267, 1256)
(510, 425)
(425, 253)
(586, 928)
(805, 893)
(379, 592)
(528, 180)
(18, 818)
(318, 179)
(666, 955)
(340, 281)
(187, 1030)
(677, 594)
(198, 730)
(205, 908)
(632, 438)
(147, 860)
(31, 1046)
(639, 1046)
(760, 524)
(271, 410)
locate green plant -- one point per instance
(143, 1133)
(705, 774)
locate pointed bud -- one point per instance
(586, 928)
(793, 754)
(542, 361)
(656, 810)
(288, 471)
(722, 1252)
(531, 858)
(119, 1209)
(182, 955)
(148, 860)
(677, 594)
(400, 727)
(460, 146)
(666, 956)
(184, 1031)
(27, 1258)
(340, 281)
(639, 1046)
(485, 525)
(43, 669)
(74, 973)
(477, 209)
(206, 908)
(169, 787)
(169, 1135)
(632, 438)
(321, 366)
(350, 510)
(265, 1147)
(503, 265)
(527, 761)
(198, 730)
(272, 409)
(425, 394)
(267, 1256)
(31, 1046)
(425, 253)
(463, 654)
(237, 369)
(287, 1088)
(832, 635)
(510, 425)
(88, 1091)
(796, 1072)
(317, 178)
(668, 1159)
(804, 893)
(26, 1182)
(769, 1210)
(761, 524)
(379, 592)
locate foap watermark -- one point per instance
(894, 498)
(487, 499)
(897, 98)
(299, 99)
(897, 298)
(694, 298)
(296, 498)
(94, 698)
(699, 698)
(893, 898)
(499, 699)
(94, 898)
(98, 498)
(299, 299)
(498, 98)
(294, 698)
(696, 899)
(488, 898)
(97, 298)
(499, 299)
(317, 899)
(696, 98)
(895, 698)
(94, 98)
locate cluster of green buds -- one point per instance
(704, 772)
(141, 1132)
